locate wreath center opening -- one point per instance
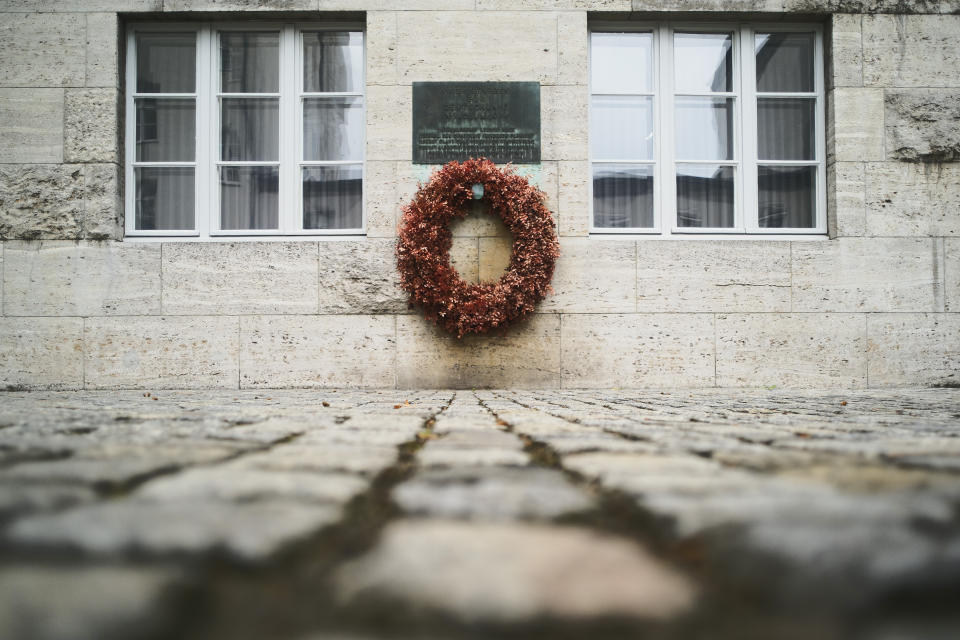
(482, 244)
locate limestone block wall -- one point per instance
(875, 304)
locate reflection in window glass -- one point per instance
(705, 196)
(249, 197)
(166, 62)
(332, 129)
(164, 198)
(332, 61)
(166, 130)
(249, 62)
(704, 128)
(621, 128)
(250, 129)
(332, 197)
(787, 197)
(702, 62)
(621, 62)
(785, 62)
(786, 128)
(622, 195)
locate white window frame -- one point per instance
(207, 161)
(746, 189)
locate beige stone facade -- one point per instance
(875, 303)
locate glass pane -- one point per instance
(785, 128)
(787, 197)
(333, 61)
(622, 195)
(333, 129)
(250, 129)
(248, 197)
(621, 128)
(621, 62)
(166, 62)
(784, 61)
(164, 199)
(332, 197)
(249, 62)
(166, 130)
(702, 62)
(704, 128)
(705, 196)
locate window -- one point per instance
(244, 130)
(707, 129)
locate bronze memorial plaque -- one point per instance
(461, 120)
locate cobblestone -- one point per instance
(479, 514)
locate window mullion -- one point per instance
(667, 184)
(288, 120)
(206, 122)
(749, 129)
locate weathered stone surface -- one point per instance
(19, 498)
(846, 199)
(864, 6)
(951, 274)
(707, 5)
(898, 51)
(61, 278)
(381, 43)
(491, 494)
(465, 258)
(554, 5)
(317, 351)
(102, 38)
(389, 122)
(250, 531)
(239, 5)
(42, 50)
(31, 125)
(381, 198)
(526, 357)
(443, 45)
(637, 350)
(79, 603)
(572, 43)
(516, 572)
(239, 277)
(921, 124)
(360, 276)
(41, 201)
(912, 199)
(573, 198)
(47, 6)
(594, 275)
(563, 112)
(41, 353)
(90, 125)
(846, 50)
(791, 350)
(494, 257)
(173, 352)
(713, 276)
(481, 446)
(914, 348)
(394, 5)
(867, 274)
(367, 459)
(103, 211)
(855, 132)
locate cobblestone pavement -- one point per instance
(314, 515)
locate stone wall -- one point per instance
(876, 304)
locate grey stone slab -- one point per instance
(60, 278)
(239, 5)
(31, 125)
(44, 201)
(389, 111)
(912, 199)
(707, 5)
(563, 114)
(381, 43)
(368, 459)
(573, 198)
(713, 276)
(151, 352)
(921, 125)
(42, 50)
(41, 353)
(360, 276)
(799, 350)
(103, 211)
(914, 348)
(239, 278)
(103, 31)
(867, 274)
(317, 351)
(553, 5)
(951, 275)
(846, 199)
(637, 350)
(594, 275)
(60, 6)
(90, 129)
(518, 572)
(855, 131)
(17, 498)
(526, 357)
(846, 50)
(572, 43)
(899, 51)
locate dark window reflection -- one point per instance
(705, 196)
(622, 196)
(785, 62)
(787, 197)
(332, 197)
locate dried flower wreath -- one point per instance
(423, 248)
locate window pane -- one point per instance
(786, 128)
(249, 62)
(333, 61)
(702, 62)
(622, 195)
(784, 61)
(705, 196)
(621, 62)
(621, 128)
(787, 197)
(166, 62)
(166, 130)
(164, 199)
(332, 197)
(704, 128)
(250, 129)
(248, 197)
(333, 129)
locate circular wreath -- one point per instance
(423, 248)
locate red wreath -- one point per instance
(423, 248)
